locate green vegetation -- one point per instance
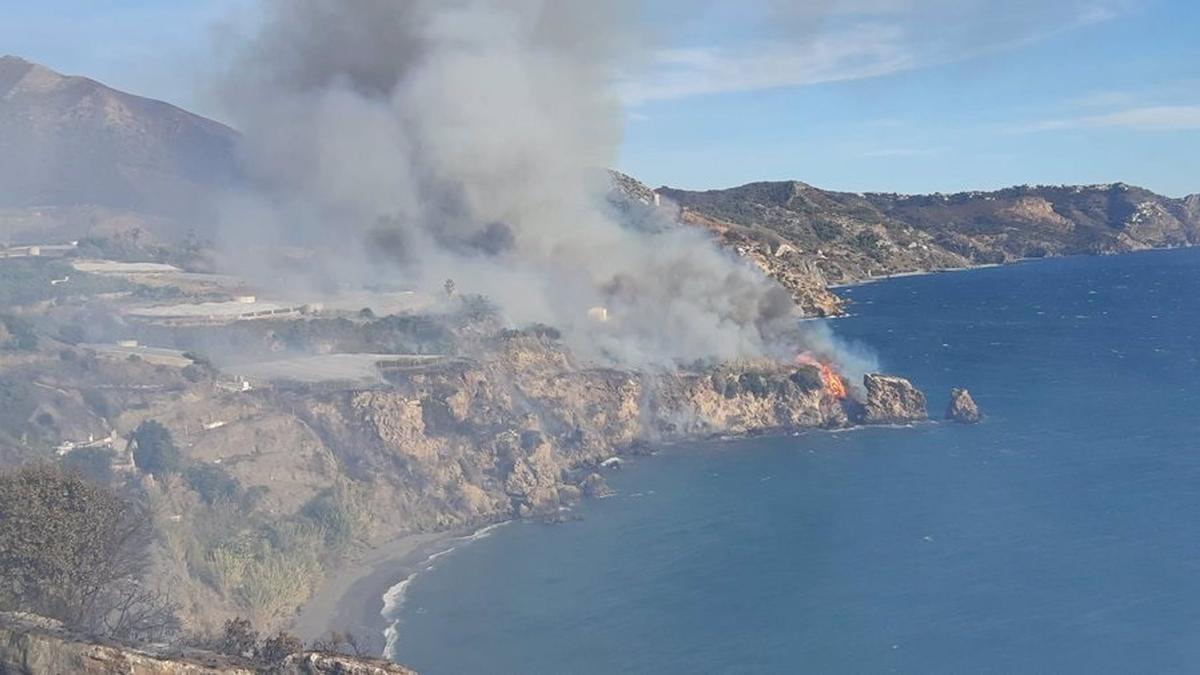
(267, 568)
(826, 230)
(403, 334)
(154, 450)
(25, 281)
(94, 464)
(213, 483)
(131, 246)
(76, 552)
(17, 404)
(17, 333)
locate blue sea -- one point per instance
(1061, 535)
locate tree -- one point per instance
(154, 450)
(75, 551)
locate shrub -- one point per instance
(278, 647)
(71, 333)
(20, 334)
(807, 378)
(212, 482)
(753, 383)
(93, 464)
(328, 513)
(238, 638)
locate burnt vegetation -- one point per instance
(77, 552)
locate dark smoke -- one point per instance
(465, 139)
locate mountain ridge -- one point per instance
(93, 159)
(73, 142)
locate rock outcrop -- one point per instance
(891, 400)
(33, 645)
(962, 407)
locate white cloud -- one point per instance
(861, 52)
(835, 41)
(902, 152)
(1148, 118)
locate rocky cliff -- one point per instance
(891, 400)
(520, 433)
(962, 407)
(31, 645)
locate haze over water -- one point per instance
(1060, 535)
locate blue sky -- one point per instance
(889, 95)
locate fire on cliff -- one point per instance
(834, 385)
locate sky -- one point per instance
(857, 95)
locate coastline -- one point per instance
(351, 597)
(922, 273)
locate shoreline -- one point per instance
(922, 273)
(351, 597)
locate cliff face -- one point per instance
(892, 400)
(962, 407)
(31, 645)
(519, 434)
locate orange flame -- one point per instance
(834, 385)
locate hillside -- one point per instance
(78, 153)
(806, 236)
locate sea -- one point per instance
(1060, 535)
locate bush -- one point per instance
(213, 483)
(98, 402)
(71, 333)
(753, 383)
(20, 334)
(807, 378)
(238, 638)
(154, 450)
(193, 373)
(278, 647)
(328, 513)
(93, 464)
(826, 230)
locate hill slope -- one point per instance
(71, 142)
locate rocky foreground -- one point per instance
(37, 646)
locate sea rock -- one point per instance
(891, 400)
(962, 407)
(595, 486)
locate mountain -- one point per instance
(70, 144)
(806, 236)
(83, 158)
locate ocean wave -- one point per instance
(394, 596)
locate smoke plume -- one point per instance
(423, 140)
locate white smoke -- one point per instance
(422, 140)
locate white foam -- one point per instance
(394, 597)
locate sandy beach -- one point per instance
(351, 598)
